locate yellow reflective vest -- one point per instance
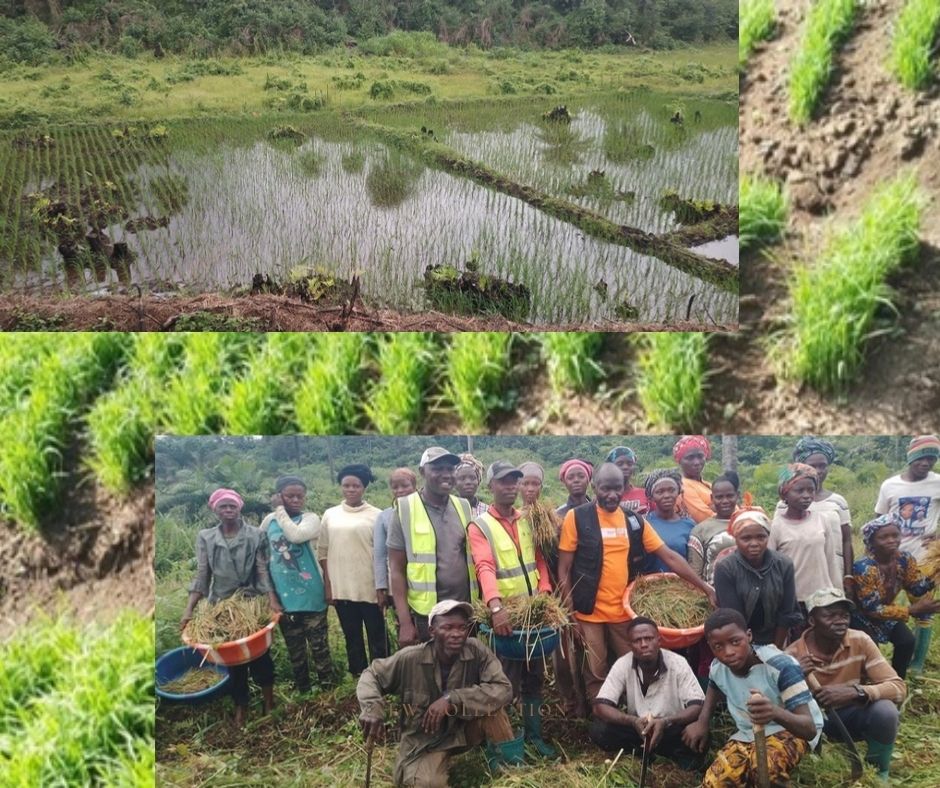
(421, 550)
(516, 572)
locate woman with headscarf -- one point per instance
(710, 540)
(634, 498)
(292, 536)
(232, 556)
(757, 581)
(819, 454)
(576, 475)
(691, 452)
(878, 578)
(468, 475)
(663, 488)
(346, 545)
(807, 537)
(402, 482)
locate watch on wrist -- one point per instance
(862, 695)
(496, 608)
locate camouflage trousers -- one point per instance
(303, 630)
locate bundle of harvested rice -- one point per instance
(193, 680)
(545, 525)
(930, 566)
(670, 602)
(231, 619)
(497, 728)
(527, 612)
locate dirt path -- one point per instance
(867, 130)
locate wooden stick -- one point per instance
(760, 749)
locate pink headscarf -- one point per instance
(569, 464)
(224, 494)
(688, 443)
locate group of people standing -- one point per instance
(789, 577)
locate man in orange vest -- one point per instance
(508, 564)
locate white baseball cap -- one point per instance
(448, 606)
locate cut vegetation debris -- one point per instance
(670, 602)
(763, 211)
(828, 24)
(192, 681)
(672, 375)
(230, 619)
(913, 43)
(837, 296)
(756, 24)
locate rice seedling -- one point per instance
(827, 26)
(670, 602)
(545, 525)
(527, 612)
(233, 618)
(571, 359)
(193, 680)
(756, 23)
(912, 43)
(395, 402)
(326, 402)
(672, 370)
(763, 210)
(835, 298)
(476, 366)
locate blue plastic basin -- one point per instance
(173, 664)
(523, 644)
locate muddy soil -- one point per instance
(867, 129)
(94, 562)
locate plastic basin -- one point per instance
(670, 638)
(237, 652)
(173, 664)
(523, 644)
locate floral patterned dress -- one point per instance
(877, 614)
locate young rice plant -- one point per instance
(395, 402)
(477, 364)
(756, 24)
(912, 44)
(763, 211)
(571, 358)
(672, 378)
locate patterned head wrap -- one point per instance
(620, 451)
(810, 445)
(467, 460)
(690, 443)
(749, 515)
(793, 473)
(871, 528)
(532, 469)
(362, 472)
(655, 477)
(287, 481)
(569, 464)
(923, 446)
(224, 494)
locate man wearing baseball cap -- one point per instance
(850, 676)
(508, 564)
(427, 546)
(446, 686)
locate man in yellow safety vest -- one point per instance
(427, 547)
(508, 564)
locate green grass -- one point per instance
(571, 360)
(828, 25)
(756, 23)
(763, 209)
(76, 707)
(835, 299)
(672, 369)
(477, 364)
(911, 45)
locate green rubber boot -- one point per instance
(921, 646)
(532, 721)
(879, 756)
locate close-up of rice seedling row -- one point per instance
(836, 297)
(828, 25)
(672, 375)
(763, 211)
(755, 24)
(913, 43)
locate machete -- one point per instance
(836, 720)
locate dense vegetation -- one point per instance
(31, 30)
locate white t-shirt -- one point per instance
(918, 504)
(669, 694)
(811, 545)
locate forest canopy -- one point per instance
(32, 30)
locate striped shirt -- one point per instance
(777, 677)
(857, 661)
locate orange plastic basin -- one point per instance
(238, 652)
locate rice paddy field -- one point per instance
(840, 216)
(455, 193)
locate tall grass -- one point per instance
(756, 23)
(571, 359)
(763, 210)
(912, 42)
(78, 706)
(827, 26)
(835, 299)
(395, 402)
(325, 402)
(477, 364)
(672, 371)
